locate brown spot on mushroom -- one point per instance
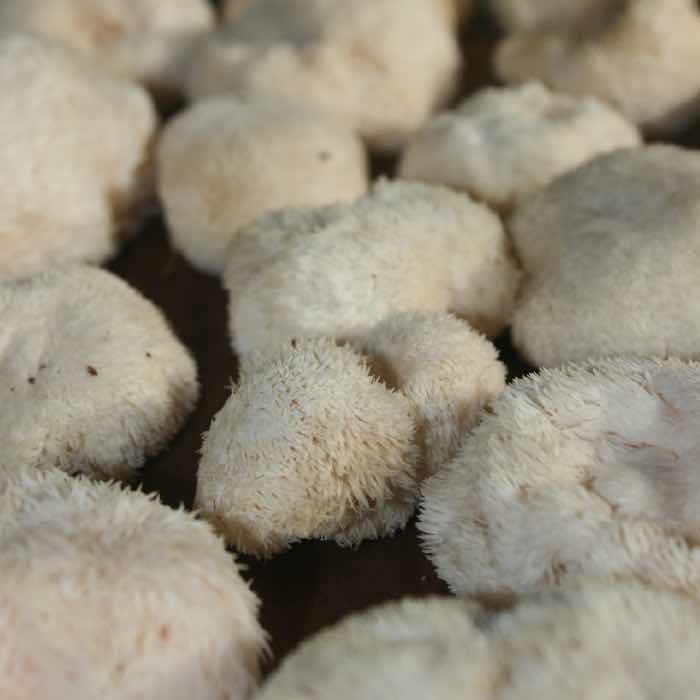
(164, 632)
(91, 371)
(323, 156)
(692, 541)
(31, 380)
(524, 493)
(480, 521)
(559, 570)
(148, 355)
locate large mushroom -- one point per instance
(356, 59)
(106, 593)
(341, 269)
(226, 161)
(587, 470)
(77, 142)
(501, 143)
(611, 253)
(96, 379)
(639, 55)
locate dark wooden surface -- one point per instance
(314, 584)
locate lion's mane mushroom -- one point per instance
(106, 593)
(625, 641)
(356, 59)
(503, 142)
(610, 251)
(146, 40)
(639, 55)
(309, 445)
(95, 378)
(339, 270)
(447, 371)
(226, 161)
(524, 15)
(76, 141)
(586, 470)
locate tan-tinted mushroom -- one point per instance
(356, 59)
(587, 470)
(106, 593)
(77, 144)
(226, 161)
(522, 15)
(309, 445)
(146, 40)
(95, 378)
(447, 371)
(639, 55)
(611, 253)
(503, 142)
(341, 269)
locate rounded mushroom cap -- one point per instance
(49, 212)
(356, 59)
(309, 445)
(97, 380)
(524, 15)
(145, 40)
(226, 161)
(503, 142)
(611, 254)
(339, 270)
(447, 371)
(427, 648)
(588, 470)
(639, 55)
(106, 593)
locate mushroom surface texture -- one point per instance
(106, 593)
(625, 641)
(554, 15)
(639, 55)
(309, 445)
(611, 253)
(503, 142)
(225, 161)
(77, 142)
(587, 470)
(359, 60)
(338, 270)
(146, 40)
(95, 377)
(447, 371)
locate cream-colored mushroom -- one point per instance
(587, 470)
(77, 144)
(309, 445)
(226, 161)
(106, 593)
(95, 378)
(639, 55)
(359, 60)
(611, 254)
(447, 371)
(503, 142)
(626, 641)
(146, 40)
(341, 269)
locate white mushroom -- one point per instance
(611, 255)
(146, 40)
(639, 55)
(523, 15)
(356, 59)
(447, 371)
(588, 470)
(625, 641)
(226, 161)
(503, 142)
(309, 445)
(106, 593)
(77, 144)
(340, 269)
(95, 378)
